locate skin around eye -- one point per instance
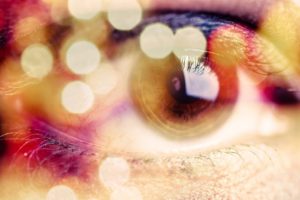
(249, 10)
(123, 157)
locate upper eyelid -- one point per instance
(251, 10)
(207, 22)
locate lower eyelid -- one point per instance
(225, 168)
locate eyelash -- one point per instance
(46, 147)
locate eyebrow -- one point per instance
(248, 10)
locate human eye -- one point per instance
(219, 75)
(148, 100)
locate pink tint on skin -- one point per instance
(249, 9)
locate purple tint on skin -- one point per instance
(60, 153)
(250, 10)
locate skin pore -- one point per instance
(251, 156)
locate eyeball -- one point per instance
(183, 102)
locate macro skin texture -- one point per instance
(117, 151)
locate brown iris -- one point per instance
(160, 91)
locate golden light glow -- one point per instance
(83, 57)
(77, 97)
(84, 10)
(61, 192)
(114, 172)
(281, 27)
(157, 41)
(189, 41)
(58, 10)
(37, 61)
(124, 16)
(229, 37)
(28, 31)
(103, 80)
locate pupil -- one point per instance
(177, 88)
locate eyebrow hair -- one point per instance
(248, 10)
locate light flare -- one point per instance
(157, 41)
(124, 16)
(83, 57)
(131, 193)
(114, 172)
(61, 192)
(84, 10)
(77, 97)
(189, 41)
(37, 61)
